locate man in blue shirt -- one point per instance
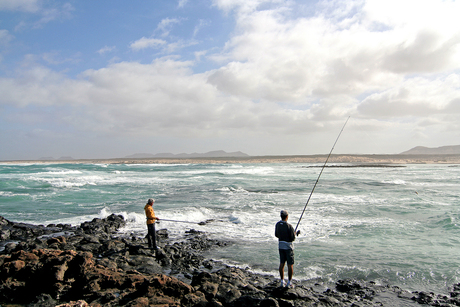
(286, 236)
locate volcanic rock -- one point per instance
(93, 265)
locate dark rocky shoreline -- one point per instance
(93, 265)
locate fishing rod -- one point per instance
(199, 223)
(320, 174)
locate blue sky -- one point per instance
(105, 79)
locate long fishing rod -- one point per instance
(199, 223)
(320, 174)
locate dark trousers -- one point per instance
(151, 236)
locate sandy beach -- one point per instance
(335, 158)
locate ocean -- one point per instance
(396, 225)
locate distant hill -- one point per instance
(64, 158)
(210, 154)
(140, 156)
(443, 150)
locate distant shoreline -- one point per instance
(336, 158)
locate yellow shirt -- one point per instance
(150, 214)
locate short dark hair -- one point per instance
(283, 214)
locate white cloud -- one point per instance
(426, 53)
(179, 44)
(128, 98)
(144, 43)
(41, 87)
(381, 62)
(281, 77)
(106, 49)
(165, 26)
(278, 58)
(201, 24)
(416, 97)
(165, 47)
(54, 13)
(410, 16)
(200, 54)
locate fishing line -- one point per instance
(199, 223)
(320, 174)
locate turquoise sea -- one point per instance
(396, 225)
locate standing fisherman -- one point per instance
(286, 236)
(151, 218)
(286, 233)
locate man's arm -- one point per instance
(292, 232)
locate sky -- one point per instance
(110, 78)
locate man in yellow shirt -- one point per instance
(151, 218)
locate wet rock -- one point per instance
(355, 288)
(228, 293)
(70, 275)
(206, 283)
(43, 300)
(79, 303)
(194, 299)
(9, 247)
(269, 302)
(93, 265)
(108, 225)
(5, 234)
(425, 298)
(21, 231)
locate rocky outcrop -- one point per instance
(92, 265)
(70, 276)
(22, 231)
